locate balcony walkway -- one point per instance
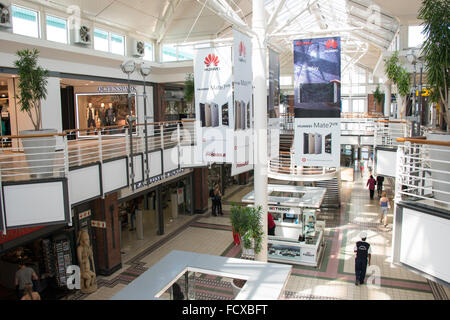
(334, 279)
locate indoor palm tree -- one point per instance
(32, 85)
(435, 49)
(399, 77)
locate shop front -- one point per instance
(48, 250)
(298, 235)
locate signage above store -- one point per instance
(98, 224)
(155, 179)
(84, 214)
(109, 89)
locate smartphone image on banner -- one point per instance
(238, 115)
(305, 143)
(225, 120)
(249, 118)
(243, 114)
(236, 124)
(311, 143)
(202, 114)
(328, 143)
(207, 115)
(214, 114)
(318, 143)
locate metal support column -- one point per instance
(260, 102)
(159, 211)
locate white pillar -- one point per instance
(387, 99)
(260, 101)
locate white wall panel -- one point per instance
(350, 140)
(367, 140)
(84, 184)
(188, 158)
(114, 174)
(155, 163)
(137, 165)
(424, 243)
(386, 162)
(171, 159)
(34, 203)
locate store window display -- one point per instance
(95, 111)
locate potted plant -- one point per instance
(399, 77)
(189, 91)
(246, 221)
(32, 90)
(378, 97)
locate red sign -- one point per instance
(212, 59)
(331, 43)
(17, 233)
(242, 50)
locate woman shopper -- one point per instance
(371, 183)
(218, 200)
(29, 294)
(385, 206)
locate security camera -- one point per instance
(145, 68)
(128, 66)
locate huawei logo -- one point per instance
(242, 50)
(303, 159)
(212, 59)
(331, 43)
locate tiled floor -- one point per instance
(333, 279)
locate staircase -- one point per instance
(332, 197)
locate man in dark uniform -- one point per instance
(363, 253)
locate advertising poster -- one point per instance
(317, 142)
(242, 141)
(273, 105)
(273, 137)
(213, 101)
(317, 78)
(317, 102)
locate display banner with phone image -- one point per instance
(317, 142)
(273, 104)
(241, 144)
(317, 78)
(213, 102)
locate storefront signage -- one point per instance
(84, 214)
(98, 224)
(284, 209)
(155, 179)
(108, 89)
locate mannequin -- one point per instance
(86, 261)
(91, 115)
(110, 115)
(102, 115)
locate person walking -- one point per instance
(270, 224)
(213, 202)
(363, 253)
(29, 294)
(371, 183)
(24, 275)
(361, 168)
(385, 206)
(380, 180)
(218, 200)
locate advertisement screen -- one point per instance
(317, 75)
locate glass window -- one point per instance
(345, 106)
(358, 105)
(101, 40)
(148, 51)
(415, 36)
(186, 53)
(117, 44)
(286, 80)
(169, 53)
(25, 22)
(56, 29)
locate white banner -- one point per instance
(273, 137)
(241, 145)
(213, 101)
(317, 142)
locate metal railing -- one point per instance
(73, 148)
(358, 126)
(386, 132)
(423, 172)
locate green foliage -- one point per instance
(246, 221)
(189, 88)
(32, 84)
(435, 49)
(378, 95)
(397, 74)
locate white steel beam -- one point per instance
(275, 14)
(167, 18)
